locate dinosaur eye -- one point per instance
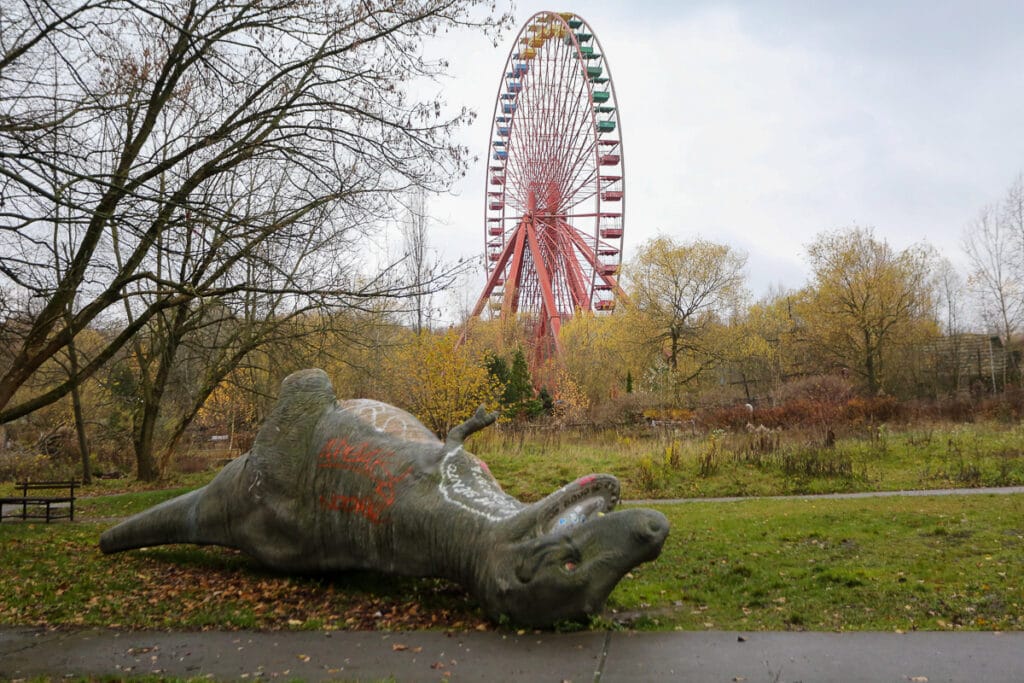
(570, 566)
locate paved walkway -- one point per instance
(491, 656)
(984, 490)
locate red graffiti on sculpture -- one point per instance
(360, 505)
(370, 462)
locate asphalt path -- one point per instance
(983, 490)
(919, 657)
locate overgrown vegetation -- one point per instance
(669, 462)
(676, 462)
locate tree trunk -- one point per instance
(870, 372)
(152, 395)
(76, 407)
(143, 442)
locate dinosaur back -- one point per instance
(389, 420)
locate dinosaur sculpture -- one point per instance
(333, 485)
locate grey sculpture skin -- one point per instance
(334, 485)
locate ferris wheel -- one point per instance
(553, 213)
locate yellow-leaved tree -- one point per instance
(867, 300)
(600, 354)
(683, 295)
(438, 380)
(767, 348)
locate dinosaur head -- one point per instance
(560, 558)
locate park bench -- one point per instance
(34, 504)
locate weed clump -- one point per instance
(815, 463)
(646, 476)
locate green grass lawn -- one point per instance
(887, 563)
(865, 564)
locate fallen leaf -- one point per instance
(398, 647)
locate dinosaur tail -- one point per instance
(173, 521)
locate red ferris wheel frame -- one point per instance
(554, 200)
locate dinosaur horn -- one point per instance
(481, 418)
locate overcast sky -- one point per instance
(762, 124)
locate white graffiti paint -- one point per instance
(465, 484)
(388, 419)
(254, 487)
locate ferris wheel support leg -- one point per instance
(549, 312)
(574, 273)
(510, 304)
(492, 281)
(545, 347)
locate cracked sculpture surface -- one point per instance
(334, 485)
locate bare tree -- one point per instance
(993, 251)
(949, 289)
(951, 302)
(1012, 213)
(420, 266)
(175, 110)
(190, 349)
